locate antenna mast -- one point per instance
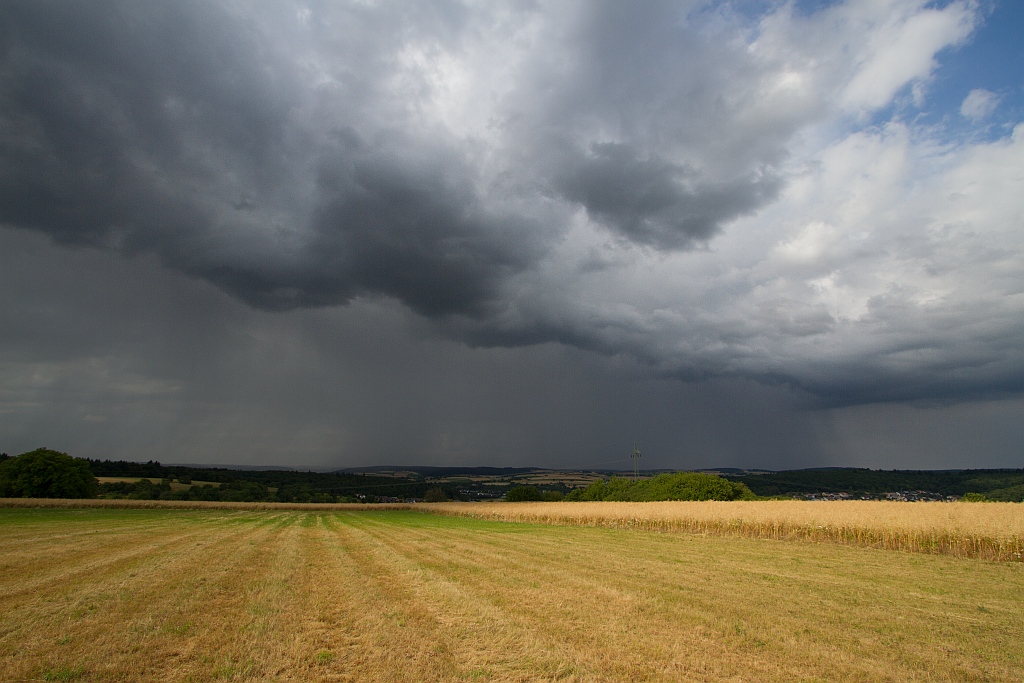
(635, 455)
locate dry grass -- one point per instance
(127, 504)
(215, 595)
(987, 530)
(992, 531)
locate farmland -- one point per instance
(992, 531)
(399, 595)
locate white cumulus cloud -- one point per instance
(979, 104)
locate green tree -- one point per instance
(434, 495)
(518, 494)
(1012, 494)
(43, 473)
(675, 486)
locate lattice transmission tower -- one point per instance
(635, 455)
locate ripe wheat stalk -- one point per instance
(992, 531)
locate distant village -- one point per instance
(906, 496)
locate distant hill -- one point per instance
(428, 471)
(476, 483)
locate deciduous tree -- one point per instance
(43, 473)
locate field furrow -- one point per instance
(321, 595)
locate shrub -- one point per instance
(43, 473)
(552, 496)
(434, 495)
(676, 486)
(518, 494)
(143, 489)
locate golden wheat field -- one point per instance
(224, 594)
(992, 530)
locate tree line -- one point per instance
(45, 473)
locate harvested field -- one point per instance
(992, 531)
(284, 595)
(129, 504)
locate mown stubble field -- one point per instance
(200, 595)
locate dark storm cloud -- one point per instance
(182, 129)
(108, 107)
(412, 229)
(529, 173)
(172, 128)
(641, 122)
(415, 230)
(174, 370)
(654, 202)
(169, 368)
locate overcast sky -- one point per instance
(750, 233)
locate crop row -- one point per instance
(993, 531)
